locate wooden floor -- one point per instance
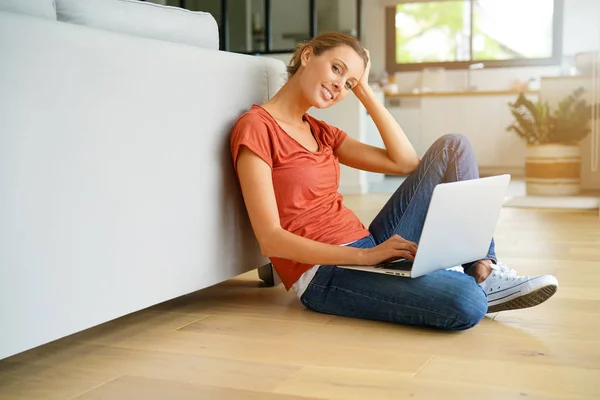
(240, 340)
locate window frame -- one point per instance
(390, 53)
(312, 14)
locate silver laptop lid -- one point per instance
(460, 223)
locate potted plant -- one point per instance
(553, 156)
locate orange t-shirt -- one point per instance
(305, 183)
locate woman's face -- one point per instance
(328, 78)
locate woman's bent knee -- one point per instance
(453, 140)
(470, 306)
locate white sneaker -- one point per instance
(508, 291)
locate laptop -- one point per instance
(458, 229)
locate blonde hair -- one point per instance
(323, 43)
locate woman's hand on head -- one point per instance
(394, 248)
(364, 80)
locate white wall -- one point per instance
(581, 32)
(373, 35)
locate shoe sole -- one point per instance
(531, 299)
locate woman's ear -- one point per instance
(306, 55)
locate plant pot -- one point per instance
(553, 169)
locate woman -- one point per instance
(288, 167)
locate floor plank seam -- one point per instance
(276, 387)
(94, 387)
(190, 323)
(423, 366)
(271, 319)
(547, 352)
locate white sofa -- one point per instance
(116, 185)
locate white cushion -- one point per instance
(143, 19)
(35, 8)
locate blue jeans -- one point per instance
(443, 299)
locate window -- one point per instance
(274, 26)
(457, 33)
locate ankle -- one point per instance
(481, 270)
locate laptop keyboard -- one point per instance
(397, 265)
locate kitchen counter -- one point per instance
(460, 93)
(482, 116)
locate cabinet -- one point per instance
(408, 115)
(482, 119)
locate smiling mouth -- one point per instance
(326, 92)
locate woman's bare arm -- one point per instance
(257, 188)
(399, 156)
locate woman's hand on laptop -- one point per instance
(394, 248)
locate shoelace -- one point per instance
(503, 272)
(503, 269)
